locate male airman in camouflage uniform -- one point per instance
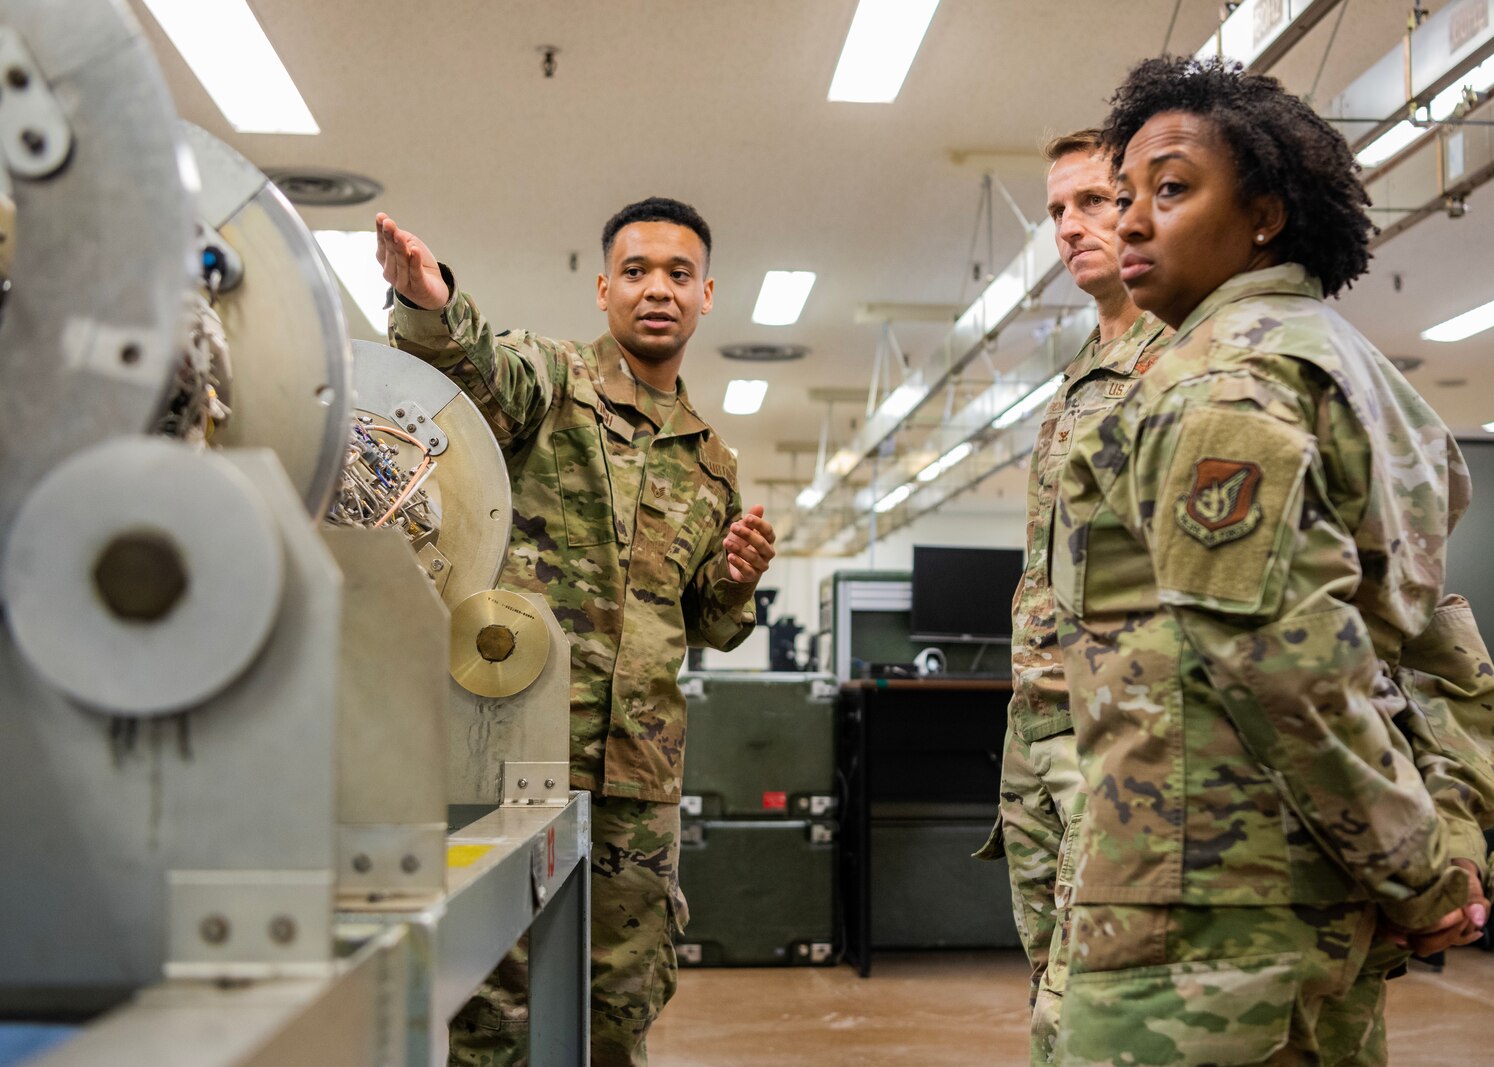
(1042, 801)
(628, 521)
(1250, 802)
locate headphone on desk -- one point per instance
(929, 661)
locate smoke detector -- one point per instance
(323, 186)
(762, 352)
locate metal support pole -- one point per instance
(559, 976)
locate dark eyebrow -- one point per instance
(1154, 162)
(676, 261)
(1090, 190)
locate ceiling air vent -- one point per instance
(764, 353)
(322, 186)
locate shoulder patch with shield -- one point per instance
(1221, 504)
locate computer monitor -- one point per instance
(963, 594)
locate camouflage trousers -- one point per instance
(636, 907)
(1042, 807)
(1170, 984)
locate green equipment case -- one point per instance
(761, 892)
(760, 745)
(927, 891)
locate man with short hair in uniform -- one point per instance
(627, 520)
(1041, 796)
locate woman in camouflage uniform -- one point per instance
(1242, 551)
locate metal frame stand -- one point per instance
(403, 970)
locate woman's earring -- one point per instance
(1260, 238)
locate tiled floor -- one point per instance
(967, 1009)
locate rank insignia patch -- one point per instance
(1221, 506)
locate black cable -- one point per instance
(1168, 39)
(982, 208)
(1342, 9)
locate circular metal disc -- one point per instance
(502, 623)
(291, 388)
(470, 484)
(228, 557)
(89, 339)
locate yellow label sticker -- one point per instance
(465, 855)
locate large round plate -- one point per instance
(224, 548)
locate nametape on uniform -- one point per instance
(1116, 390)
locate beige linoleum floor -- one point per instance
(968, 1009)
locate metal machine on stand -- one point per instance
(251, 652)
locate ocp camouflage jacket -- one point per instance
(619, 527)
(1240, 552)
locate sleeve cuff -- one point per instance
(737, 617)
(995, 847)
(423, 326)
(1465, 841)
(1448, 893)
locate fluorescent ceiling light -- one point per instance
(1489, 427)
(1460, 326)
(1404, 134)
(782, 297)
(223, 43)
(955, 454)
(744, 396)
(894, 498)
(809, 497)
(946, 461)
(843, 462)
(900, 401)
(879, 49)
(1027, 404)
(352, 255)
(1399, 136)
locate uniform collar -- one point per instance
(1120, 354)
(621, 389)
(1284, 279)
(1088, 357)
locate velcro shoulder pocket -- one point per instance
(1226, 515)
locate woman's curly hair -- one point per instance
(1280, 146)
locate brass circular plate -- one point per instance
(479, 613)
